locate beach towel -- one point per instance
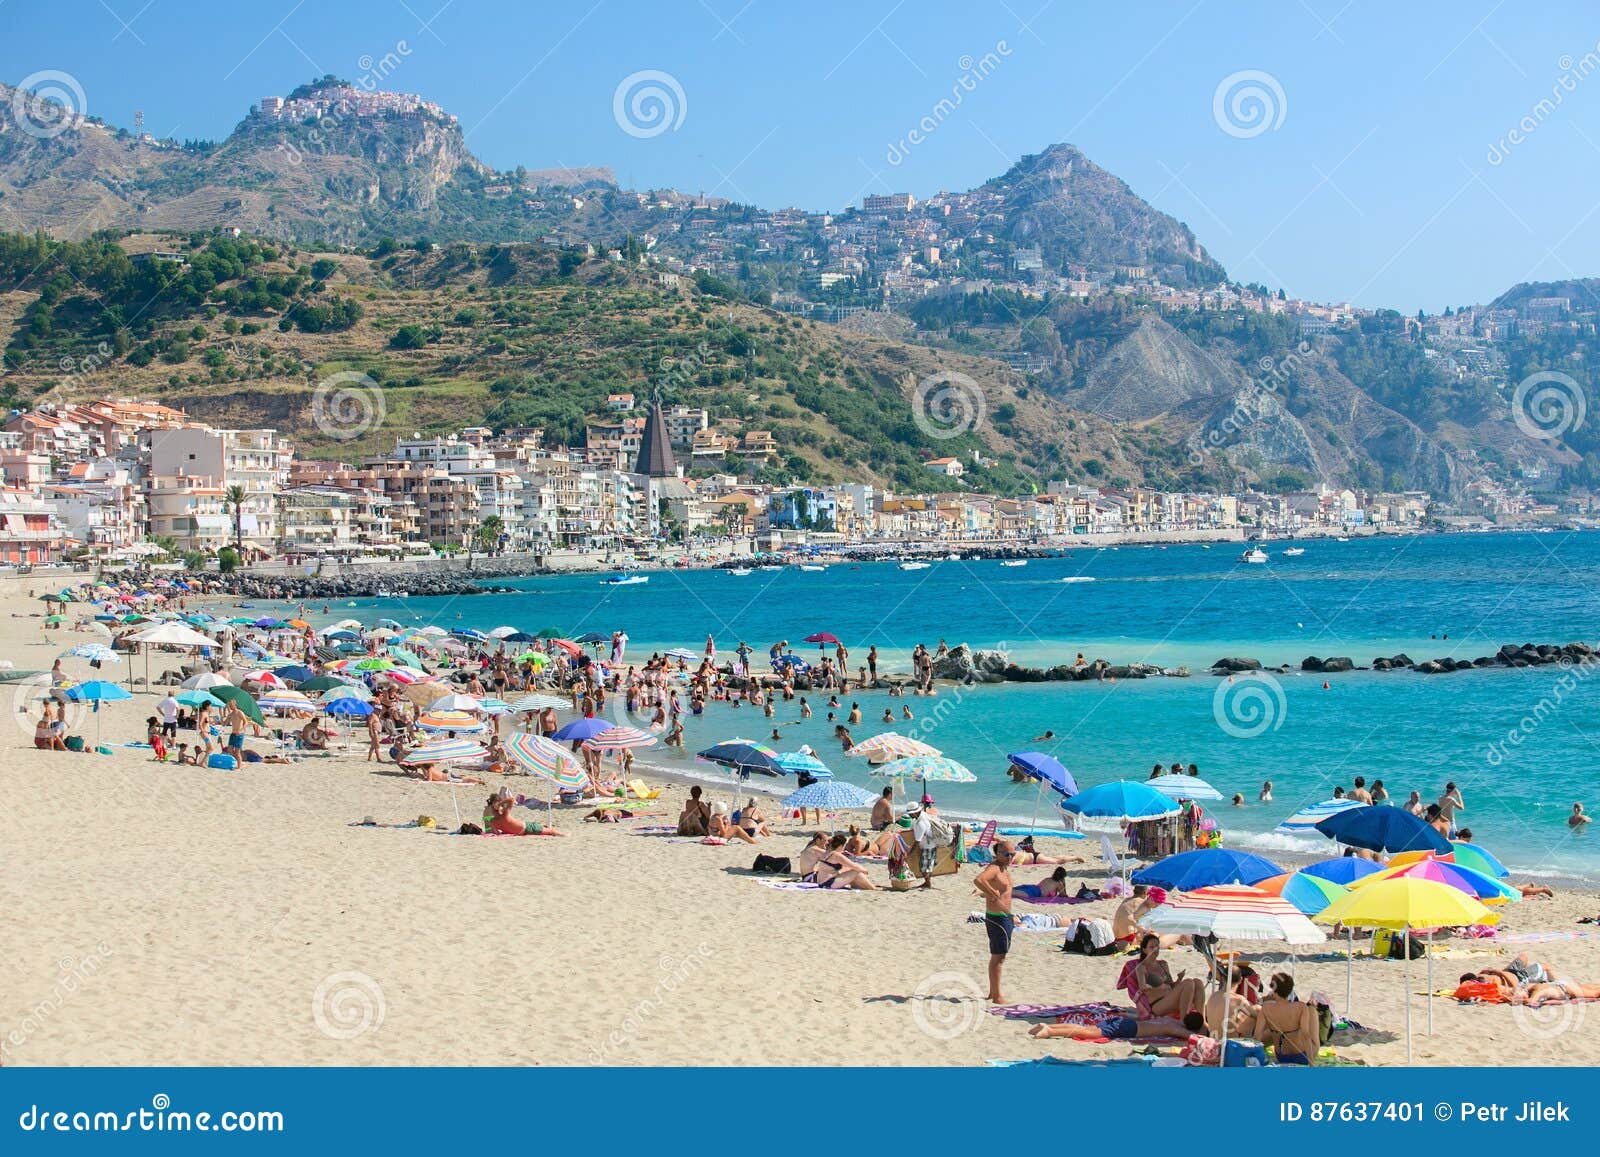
(1024, 921)
(1093, 1011)
(655, 830)
(800, 886)
(1030, 893)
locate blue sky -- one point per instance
(1384, 172)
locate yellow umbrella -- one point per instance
(1400, 904)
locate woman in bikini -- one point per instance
(1166, 994)
(1290, 1026)
(837, 871)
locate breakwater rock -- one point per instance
(312, 588)
(964, 665)
(1510, 655)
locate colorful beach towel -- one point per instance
(800, 886)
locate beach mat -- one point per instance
(1093, 1008)
(801, 886)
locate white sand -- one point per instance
(175, 915)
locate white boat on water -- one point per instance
(914, 566)
(1294, 552)
(952, 558)
(383, 595)
(1013, 562)
(739, 570)
(1341, 538)
(769, 568)
(624, 580)
(812, 568)
(1254, 554)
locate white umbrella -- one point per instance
(206, 680)
(455, 701)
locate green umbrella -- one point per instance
(321, 683)
(407, 657)
(549, 633)
(242, 697)
(52, 620)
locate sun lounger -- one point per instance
(641, 790)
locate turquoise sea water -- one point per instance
(1521, 744)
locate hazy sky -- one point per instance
(1370, 155)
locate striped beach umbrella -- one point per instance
(1184, 787)
(796, 762)
(928, 768)
(1233, 912)
(546, 759)
(620, 739)
(830, 795)
(451, 721)
(891, 745)
(1484, 888)
(445, 751)
(285, 701)
(1307, 818)
(455, 701)
(1310, 894)
(538, 702)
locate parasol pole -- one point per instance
(1227, 1011)
(1405, 941)
(1349, 966)
(1430, 981)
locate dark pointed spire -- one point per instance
(655, 448)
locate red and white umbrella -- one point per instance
(620, 739)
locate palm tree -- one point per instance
(489, 533)
(234, 497)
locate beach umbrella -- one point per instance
(373, 663)
(567, 645)
(1044, 770)
(198, 698)
(530, 703)
(295, 673)
(829, 795)
(618, 739)
(455, 701)
(493, 705)
(267, 679)
(246, 702)
(469, 633)
(444, 750)
(459, 721)
(928, 768)
(1479, 859)
(349, 707)
(1232, 912)
(266, 623)
(1342, 869)
(55, 620)
(546, 759)
(1184, 787)
(95, 652)
(1401, 904)
(822, 639)
(1205, 868)
(547, 633)
(1485, 889)
(502, 632)
(586, 728)
(174, 635)
(341, 635)
(319, 683)
(1383, 829)
(743, 756)
(388, 624)
(804, 761)
(592, 638)
(890, 745)
(683, 653)
(285, 701)
(521, 637)
(1308, 817)
(1310, 894)
(298, 624)
(97, 691)
(341, 690)
(1123, 800)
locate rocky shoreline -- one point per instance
(311, 588)
(1510, 655)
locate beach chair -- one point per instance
(1121, 865)
(1128, 981)
(641, 790)
(980, 852)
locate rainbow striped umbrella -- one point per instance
(1233, 912)
(891, 745)
(285, 701)
(1310, 894)
(928, 768)
(1479, 859)
(1480, 887)
(546, 759)
(459, 721)
(444, 751)
(620, 738)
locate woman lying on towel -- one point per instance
(434, 773)
(497, 818)
(1119, 1027)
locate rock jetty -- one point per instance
(1510, 655)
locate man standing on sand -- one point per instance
(994, 882)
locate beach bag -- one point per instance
(74, 743)
(1090, 938)
(222, 762)
(1397, 946)
(1202, 1050)
(772, 865)
(1324, 1022)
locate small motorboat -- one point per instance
(1341, 538)
(770, 568)
(812, 567)
(914, 566)
(1255, 555)
(1013, 562)
(624, 580)
(1294, 552)
(739, 570)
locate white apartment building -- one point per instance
(256, 460)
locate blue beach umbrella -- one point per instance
(97, 691)
(1206, 868)
(349, 707)
(743, 755)
(391, 624)
(1184, 787)
(1383, 829)
(295, 673)
(803, 761)
(1047, 769)
(586, 728)
(1342, 870)
(829, 795)
(469, 633)
(1121, 799)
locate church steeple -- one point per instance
(655, 448)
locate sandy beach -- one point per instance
(164, 914)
